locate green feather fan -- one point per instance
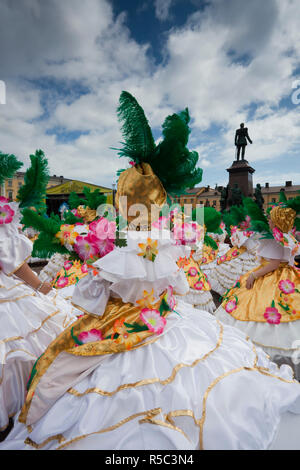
(33, 192)
(9, 164)
(282, 197)
(92, 199)
(259, 222)
(45, 246)
(40, 223)
(170, 160)
(209, 241)
(212, 219)
(294, 204)
(139, 144)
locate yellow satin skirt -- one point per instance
(274, 298)
(195, 276)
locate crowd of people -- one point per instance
(118, 343)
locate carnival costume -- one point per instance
(241, 257)
(269, 312)
(29, 319)
(146, 373)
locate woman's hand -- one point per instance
(250, 281)
(46, 288)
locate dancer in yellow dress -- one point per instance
(265, 302)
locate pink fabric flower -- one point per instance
(234, 253)
(286, 286)
(75, 212)
(84, 268)
(198, 285)
(62, 282)
(193, 272)
(6, 214)
(187, 233)
(90, 336)
(170, 299)
(105, 247)
(5, 200)
(103, 229)
(272, 316)
(231, 306)
(204, 260)
(278, 235)
(161, 222)
(153, 320)
(68, 265)
(86, 247)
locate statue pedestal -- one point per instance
(240, 173)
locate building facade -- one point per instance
(12, 185)
(212, 197)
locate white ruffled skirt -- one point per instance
(225, 275)
(199, 385)
(29, 322)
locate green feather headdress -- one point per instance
(212, 221)
(9, 164)
(170, 160)
(33, 191)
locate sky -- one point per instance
(65, 63)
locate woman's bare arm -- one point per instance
(26, 274)
(271, 266)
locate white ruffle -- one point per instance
(216, 362)
(226, 274)
(201, 300)
(130, 275)
(54, 265)
(29, 322)
(279, 341)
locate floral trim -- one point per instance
(272, 315)
(6, 214)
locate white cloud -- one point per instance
(223, 61)
(162, 8)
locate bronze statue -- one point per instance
(240, 141)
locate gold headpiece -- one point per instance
(141, 186)
(87, 214)
(283, 218)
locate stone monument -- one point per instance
(240, 172)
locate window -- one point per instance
(214, 203)
(10, 195)
(20, 184)
(10, 183)
(274, 199)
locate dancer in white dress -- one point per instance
(239, 259)
(149, 374)
(31, 313)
